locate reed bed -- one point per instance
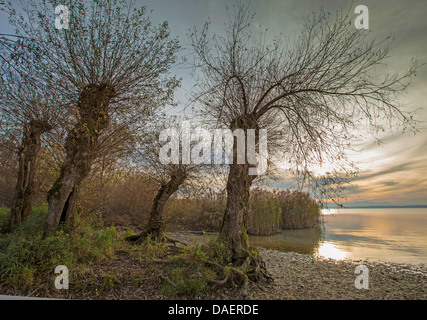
(269, 212)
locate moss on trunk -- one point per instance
(82, 140)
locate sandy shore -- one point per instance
(304, 277)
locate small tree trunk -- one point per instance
(81, 142)
(27, 166)
(154, 227)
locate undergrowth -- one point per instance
(192, 272)
(27, 259)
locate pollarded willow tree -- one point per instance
(111, 64)
(311, 95)
(168, 175)
(28, 109)
(29, 114)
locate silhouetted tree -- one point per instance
(311, 95)
(169, 176)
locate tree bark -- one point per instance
(238, 189)
(233, 225)
(233, 230)
(82, 140)
(27, 166)
(154, 226)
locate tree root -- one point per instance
(248, 268)
(173, 241)
(255, 268)
(144, 235)
(173, 248)
(169, 281)
(231, 274)
(252, 269)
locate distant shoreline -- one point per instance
(380, 207)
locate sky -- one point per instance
(394, 173)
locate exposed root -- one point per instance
(174, 249)
(133, 238)
(169, 281)
(144, 235)
(248, 268)
(255, 268)
(221, 282)
(173, 241)
(139, 238)
(231, 274)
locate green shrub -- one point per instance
(27, 258)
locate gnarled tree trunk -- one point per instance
(27, 166)
(233, 230)
(233, 225)
(154, 227)
(93, 106)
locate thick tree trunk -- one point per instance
(238, 187)
(154, 227)
(233, 230)
(81, 141)
(27, 166)
(233, 225)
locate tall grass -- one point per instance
(194, 214)
(269, 212)
(28, 259)
(299, 210)
(265, 213)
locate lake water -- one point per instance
(395, 235)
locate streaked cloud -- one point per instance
(394, 172)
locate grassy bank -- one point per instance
(102, 265)
(27, 259)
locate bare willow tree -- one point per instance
(28, 109)
(311, 94)
(169, 176)
(112, 65)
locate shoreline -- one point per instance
(305, 277)
(189, 237)
(296, 276)
(300, 276)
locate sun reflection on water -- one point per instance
(326, 212)
(330, 250)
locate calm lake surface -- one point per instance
(395, 235)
